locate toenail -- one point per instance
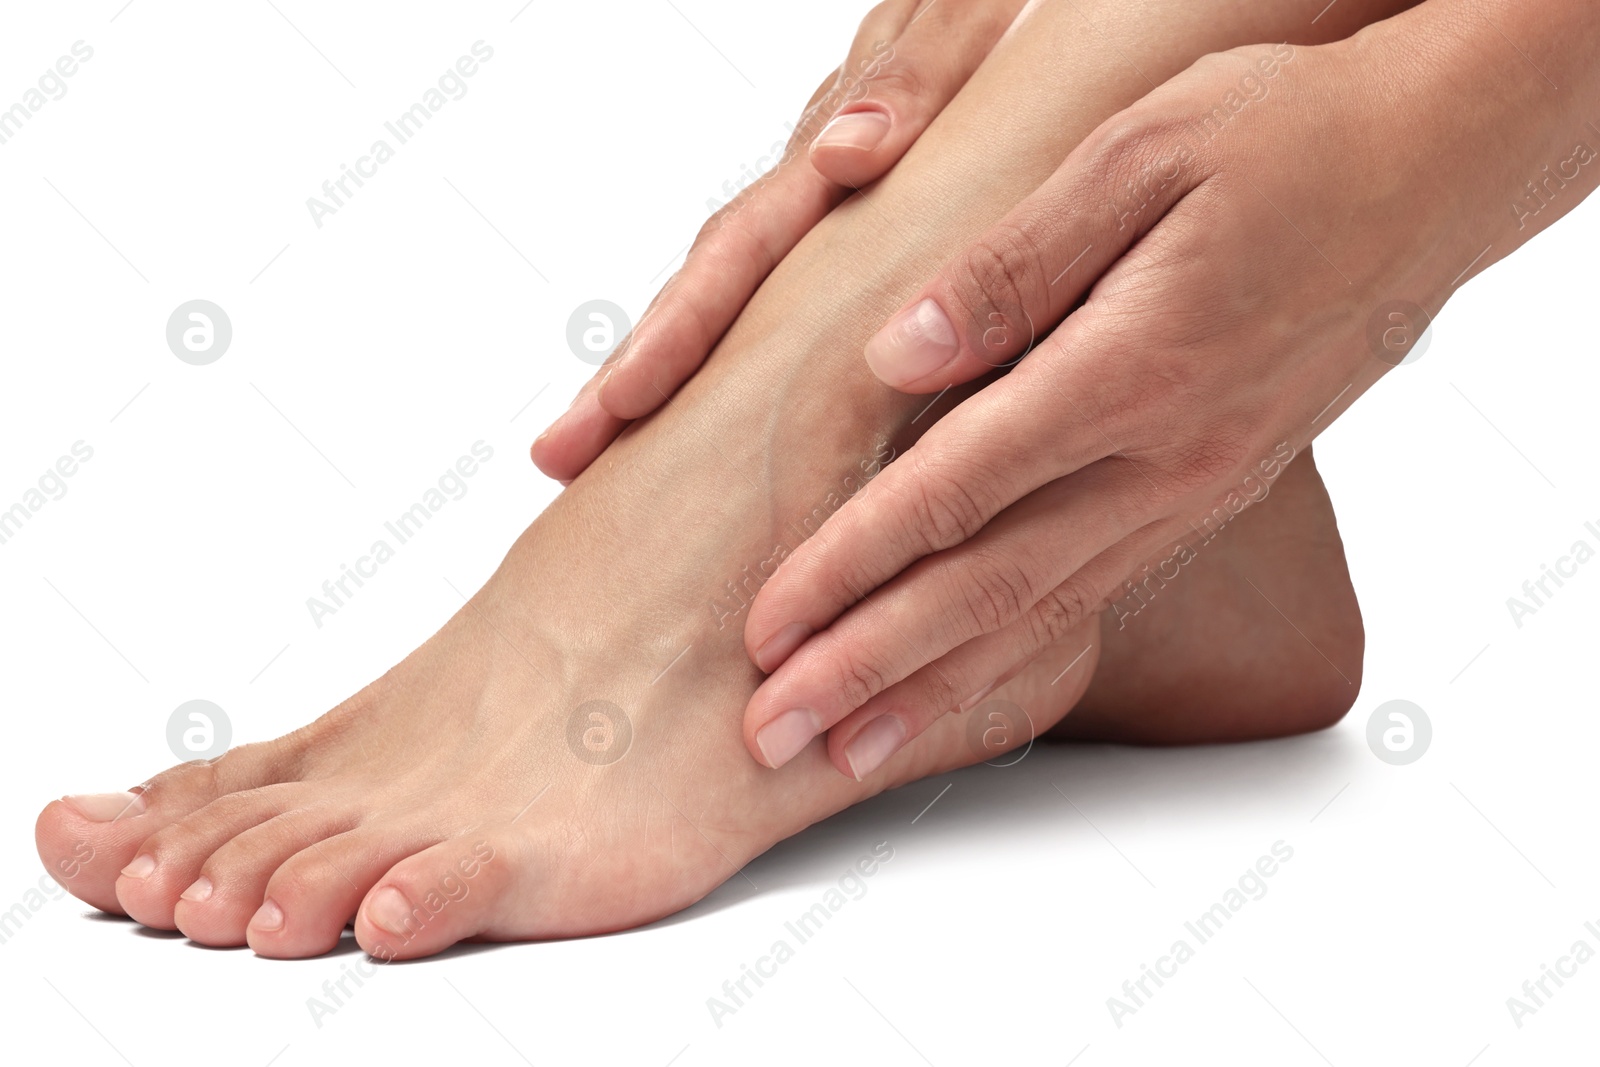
(267, 917)
(782, 739)
(389, 911)
(106, 807)
(200, 892)
(877, 741)
(140, 866)
(781, 645)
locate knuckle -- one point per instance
(995, 590)
(1211, 458)
(1060, 610)
(1004, 271)
(940, 510)
(858, 681)
(1144, 160)
(897, 78)
(1124, 146)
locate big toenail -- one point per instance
(140, 866)
(389, 911)
(268, 917)
(106, 807)
(782, 739)
(200, 892)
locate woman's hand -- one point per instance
(1253, 244)
(909, 59)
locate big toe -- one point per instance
(87, 839)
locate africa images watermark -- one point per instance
(1142, 588)
(402, 128)
(1252, 885)
(452, 485)
(45, 891)
(741, 591)
(1253, 87)
(1566, 566)
(52, 485)
(52, 85)
(1538, 193)
(850, 87)
(851, 885)
(1536, 991)
(453, 888)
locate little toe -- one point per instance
(453, 891)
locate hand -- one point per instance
(1254, 243)
(909, 59)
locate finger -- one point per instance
(870, 735)
(572, 442)
(569, 445)
(995, 300)
(735, 251)
(737, 248)
(966, 469)
(943, 602)
(745, 240)
(896, 89)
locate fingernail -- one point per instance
(972, 701)
(781, 645)
(199, 893)
(782, 739)
(389, 911)
(912, 345)
(140, 866)
(877, 741)
(106, 807)
(268, 917)
(864, 130)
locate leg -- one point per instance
(1259, 636)
(467, 793)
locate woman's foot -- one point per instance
(544, 766)
(534, 772)
(564, 756)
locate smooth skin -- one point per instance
(908, 60)
(1218, 271)
(463, 796)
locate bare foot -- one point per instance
(564, 757)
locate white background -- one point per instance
(428, 313)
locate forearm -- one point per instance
(1502, 99)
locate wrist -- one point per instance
(1493, 107)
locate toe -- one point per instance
(86, 840)
(455, 890)
(229, 888)
(167, 863)
(316, 892)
